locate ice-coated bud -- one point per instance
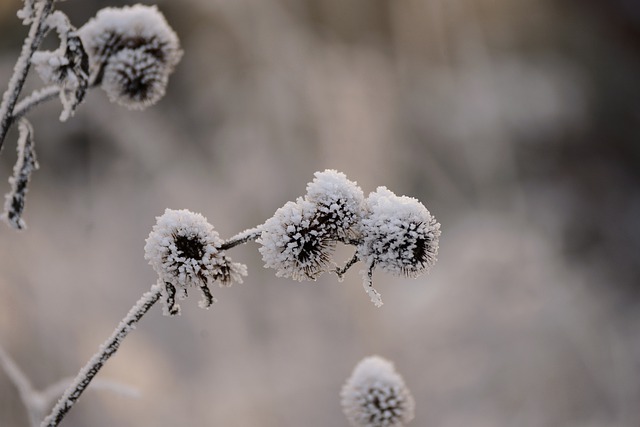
(184, 249)
(295, 243)
(376, 396)
(339, 202)
(132, 51)
(399, 235)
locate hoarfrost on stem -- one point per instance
(25, 165)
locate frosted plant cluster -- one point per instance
(132, 52)
(375, 395)
(184, 249)
(398, 234)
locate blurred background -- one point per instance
(516, 122)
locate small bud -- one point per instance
(376, 396)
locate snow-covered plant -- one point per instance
(375, 395)
(397, 233)
(129, 52)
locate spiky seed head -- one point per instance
(375, 395)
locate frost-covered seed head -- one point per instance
(132, 52)
(184, 249)
(134, 79)
(295, 243)
(376, 396)
(339, 202)
(399, 234)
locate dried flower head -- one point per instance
(376, 396)
(339, 202)
(295, 243)
(132, 52)
(67, 66)
(399, 234)
(184, 249)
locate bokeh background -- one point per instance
(516, 122)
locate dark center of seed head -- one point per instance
(189, 246)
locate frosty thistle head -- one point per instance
(184, 249)
(399, 235)
(375, 395)
(295, 242)
(132, 52)
(339, 202)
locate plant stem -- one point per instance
(31, 43)
(242, 237)
(36, 98)
(106, 350)
(341, 271)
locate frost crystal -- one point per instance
(132, 52)
(295, 243)
(376, 396)
(184, 249)
(339, 202)
(399, 234)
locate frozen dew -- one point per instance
(132, 51)
(339, 202)
(295, 243)
(184, 249)
(399, 235)
(375, 395)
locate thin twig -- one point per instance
(106, 350)
(36, 98)
(341, 271)
(31, 43)
(243, 237)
